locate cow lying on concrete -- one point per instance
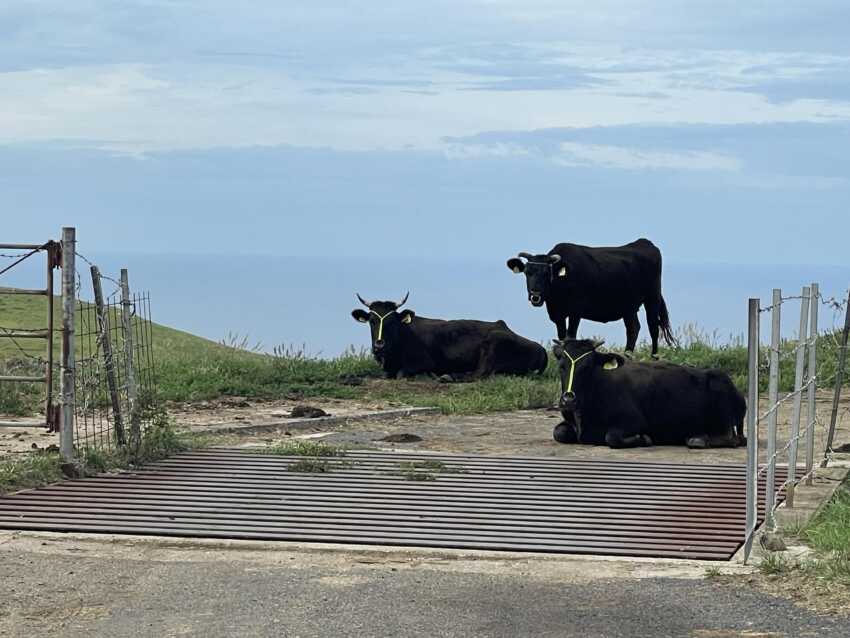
(406, 345)
(607, 400)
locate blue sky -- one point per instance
(428, 129)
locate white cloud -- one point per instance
(607, 156)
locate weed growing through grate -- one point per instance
(423, 470)
(309, 465)
(302, 448)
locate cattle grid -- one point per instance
(521, 504)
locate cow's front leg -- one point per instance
(618, 438)
(565, 433)
(572, 330)
(561, 327)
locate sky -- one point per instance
(440, 129)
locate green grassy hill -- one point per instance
(30, 312)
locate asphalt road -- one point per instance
(128, 591)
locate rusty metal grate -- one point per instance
(468, 502)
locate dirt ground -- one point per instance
(529, 433)
(520, 433)
(201, 414)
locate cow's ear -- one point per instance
(611, 361)
(557, 349)
(407, 316)
(516, 264)
(360, 315)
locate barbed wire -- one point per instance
(832, 302)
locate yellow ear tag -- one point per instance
(406, 319)
(516, 269)
(362, 319)
(562, 272)
(613, 364)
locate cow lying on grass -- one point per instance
(406, 345)
(607, 400)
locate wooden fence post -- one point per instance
(129, 372)
(108, 360)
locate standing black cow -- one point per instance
(406, 345)
(607, 400)
(599, 284)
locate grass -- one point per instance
(308, 465)
(829, 535)
(774, 563)
(190, 368)
(301, 447)
(827, 570)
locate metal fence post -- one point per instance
(129, 372)
(66, 432)
(811, 391)
(798, 397)
(839, 380)
(108, 359)
(752, 423)
(773, 400)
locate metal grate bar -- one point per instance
(469, 502)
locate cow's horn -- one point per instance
(525, 255)
(598, 343)
(403, 301)
(362, 300)
(554, 258)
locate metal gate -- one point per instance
(20, 337)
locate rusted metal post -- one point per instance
(66, 431)
(752, 423)
(129, 372)
(839, 380)
(773, 400)
(811, 391)
(108, 359)
(799, 373)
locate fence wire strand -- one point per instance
(813, 426)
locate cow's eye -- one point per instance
(562, 272)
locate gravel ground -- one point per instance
(123, 588)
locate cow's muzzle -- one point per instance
(567, 401)
(378, 346)
(535, 298)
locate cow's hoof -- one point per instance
(742, 441)
(629, 354)
(655, 357)
(697, 443)
(564, 433)
(446, 378)
(645, 441)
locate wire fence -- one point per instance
(115, 381)
(815, 361)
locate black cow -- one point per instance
(606, 399)
(599, 284)
(406, 345)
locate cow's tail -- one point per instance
(664, 322)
